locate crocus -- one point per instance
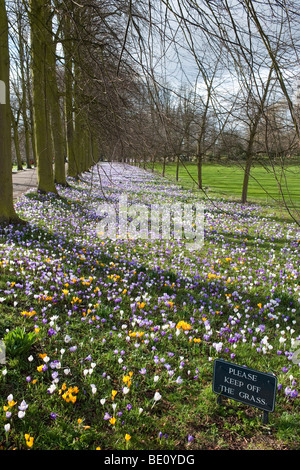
(29, 440)
(23, 406)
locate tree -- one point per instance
(7, 211)
(68, 44)
(15, 122)
(40, 12)
(24, 85)
(53, 100)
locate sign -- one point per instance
(2, 92)
(248, 386)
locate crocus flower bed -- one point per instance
(110, 344)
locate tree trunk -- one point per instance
(153, 162)
(249, 158)
(39, 13)
(16, 141)
(164, 166)
(199, 170)
(68, 83)
(24, 94)
(199, 157)
(55, 113)
(246, 177)
(81, 128)
(30, 104)
(7, 211)
(177, 167)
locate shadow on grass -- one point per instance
(195, 292)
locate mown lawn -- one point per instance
(266, 185)
(120, 336)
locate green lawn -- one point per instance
(220, 180)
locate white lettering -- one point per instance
(257, 400)
(231, 381)
(242, 374)
(228, 390)
(114, 460)
(253, 388)
(170, 459)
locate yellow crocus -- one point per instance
(184, 325)
(29, 440)
(12, 403)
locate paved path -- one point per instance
(23, 181)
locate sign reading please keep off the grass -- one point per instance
(248, 386)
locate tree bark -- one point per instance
(39, 12)
(249, 158)
(16, 141)
(177, 167)
(30, 104)
(68, 83)
(7, 211)
(56, 136)
(24, 93)
(199, 170)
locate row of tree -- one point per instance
(60, 69)
(147, 81)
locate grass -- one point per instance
(227, 181)
(106, 319)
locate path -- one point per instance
(23, 181)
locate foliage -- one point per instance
(127, 330)
(18, 342)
